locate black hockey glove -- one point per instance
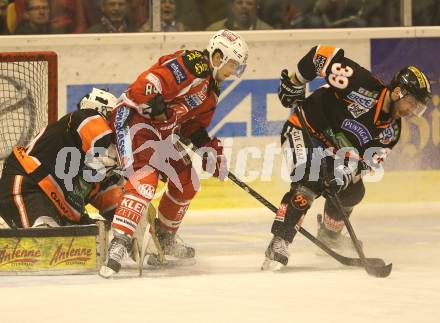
(289, 93)
(337, 180)
(156, 106)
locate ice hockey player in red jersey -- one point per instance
(174, 98)
(66, 166)
(355, 114)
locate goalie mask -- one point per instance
(99, 100)
(231, 46)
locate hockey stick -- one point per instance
(342, 259)
(347, 261)
(372, 268)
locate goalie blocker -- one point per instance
(53, 251)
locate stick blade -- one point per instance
(375, 262)
(379, 271)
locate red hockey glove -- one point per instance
(168, 126)
(213, 160)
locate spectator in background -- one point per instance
(425, 12)
(92, 11)
(114, 18)
(298, 14)
(340, 13)
(168, 20)
(67, 16)
(382, 13)
(36, 18)
(242, 16)
(3, 25)
(138, 12)
(198, 14)
(274, 11)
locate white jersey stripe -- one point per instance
(19, 202)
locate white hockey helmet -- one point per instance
(231, 46)
(99, 100)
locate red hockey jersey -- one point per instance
(185, 81)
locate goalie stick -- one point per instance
(150, 227)
(373, 268)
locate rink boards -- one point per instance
(249, 116)
(52, 251)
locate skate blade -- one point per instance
(271, 265)
(106, 272)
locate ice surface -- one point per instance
(226, 284)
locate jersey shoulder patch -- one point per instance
(196, 63)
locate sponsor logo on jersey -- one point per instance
(356, 109)
(299, 146)
(60, 202)
(194, 55)
(370, 94)
(193, 100)
(196, 99)
(123, 136)
(154, 80)
(362, 100)
(390, 134)
(146, 190)
(319, 62)
(177, 71)
(201, 68)
(358, 130)
(281, 212)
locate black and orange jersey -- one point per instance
(83, 130)
(58, 152)
(347, 111)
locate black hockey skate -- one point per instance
(119, 247)
(333, 239)
(171, 245)
(277, 254)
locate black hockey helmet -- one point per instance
(412, 80)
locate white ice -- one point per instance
(226, 284)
